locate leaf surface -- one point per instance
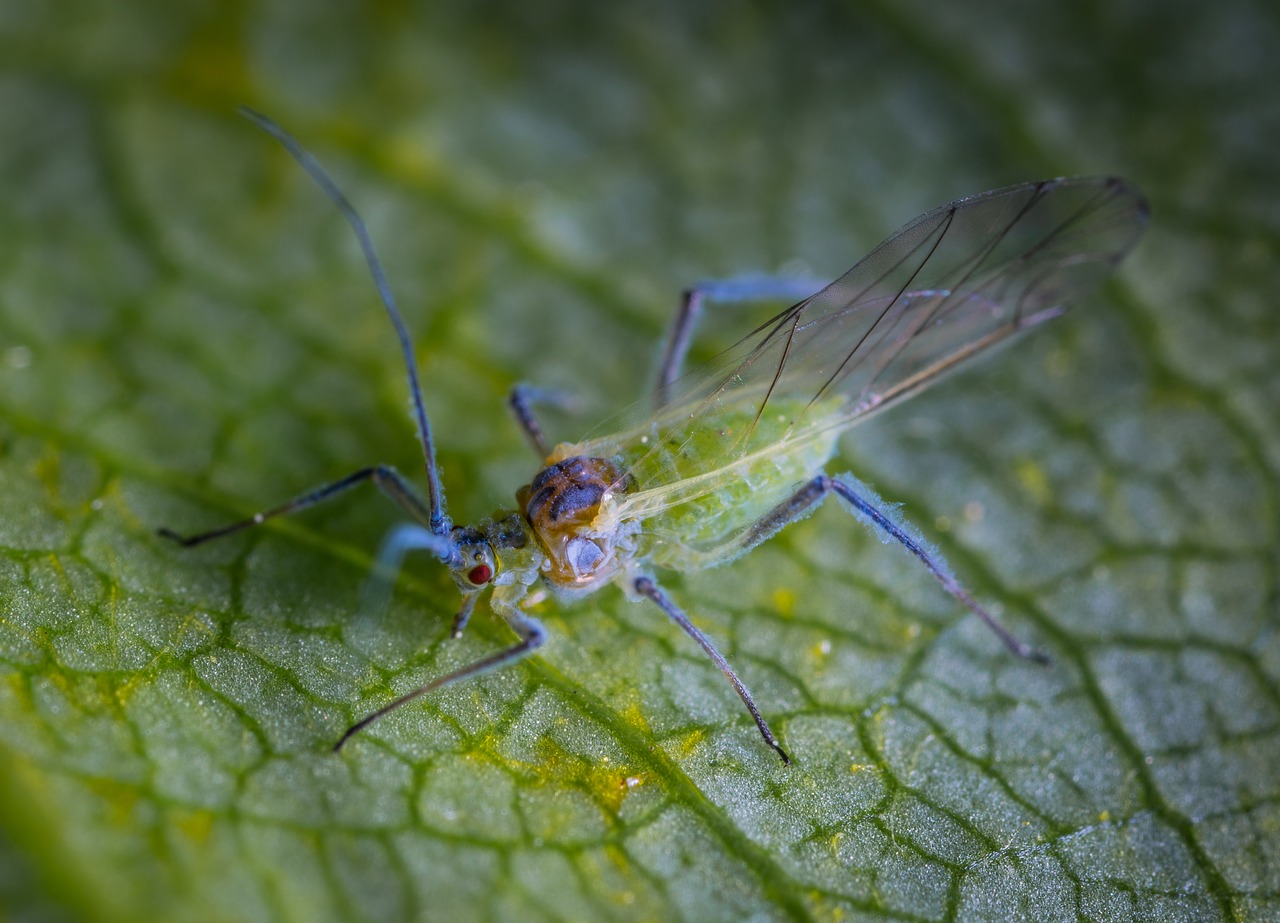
(187, 335)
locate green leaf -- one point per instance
(187, 335)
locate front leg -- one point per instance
(404, 538)
(530, 632)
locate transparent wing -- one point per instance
(946, 287)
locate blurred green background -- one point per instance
(187, 334)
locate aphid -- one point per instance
(725, 456)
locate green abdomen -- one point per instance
(699, 520)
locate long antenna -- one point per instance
(439, 522)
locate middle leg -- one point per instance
(647, 588)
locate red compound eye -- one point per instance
(480, 574)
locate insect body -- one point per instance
(727, 455)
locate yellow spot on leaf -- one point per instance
(195, 824)
(120, 801)
(634, 715)
(691, 742)
(408, 157)
(1034, 481)
(605, 783)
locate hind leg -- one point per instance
(860, 500)
(738, 290)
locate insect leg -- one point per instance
(399, 542)
(387, 478)
(862, 501)
(646, 587)
(521, 402)
(531, 634)
(437, 519)
(728, 291)
(464, 614)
